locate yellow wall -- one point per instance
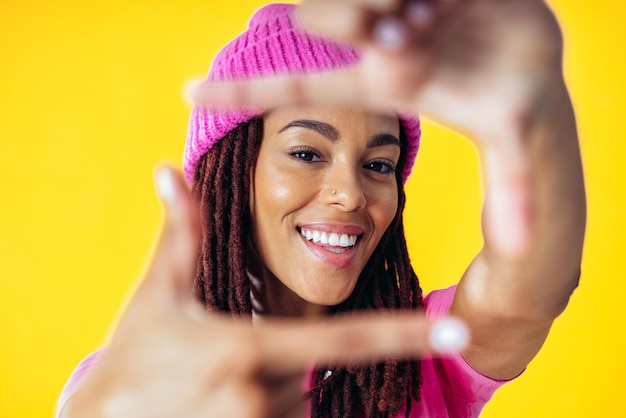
(90, 101)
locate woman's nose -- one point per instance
(344, 190)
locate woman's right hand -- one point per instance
(170, 358)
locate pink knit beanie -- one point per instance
(272, 45)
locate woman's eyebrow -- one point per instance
(322, 128)
(331, 133)
(383, 139)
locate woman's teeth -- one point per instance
(332, 238)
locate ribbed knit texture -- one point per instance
(272, 45)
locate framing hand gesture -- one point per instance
(487, 68)
(168, 357)
(491, 69)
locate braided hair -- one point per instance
(222, 186)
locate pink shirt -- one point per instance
(450, 388)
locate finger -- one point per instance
(348, 21)
(420, 13)
(174, 260)
(362, 339)
(371, 85)
(339, 87)
(379, 6)
(357, 21)
(388, 24)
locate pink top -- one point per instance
(450, 388)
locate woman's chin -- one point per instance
(326, 298)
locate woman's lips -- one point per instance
(333, 246)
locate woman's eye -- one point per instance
(383, 167)
(305, 155)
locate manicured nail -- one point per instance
(390, 33)
(449, 335)
(420, 14)
(165, 184)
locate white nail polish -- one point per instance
(390, 33)
(165, 185)
(449, 335)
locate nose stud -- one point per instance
(333, 192)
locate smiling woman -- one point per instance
(301, 216)
(300, 163)
(325, 187)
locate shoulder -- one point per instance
(437, 303)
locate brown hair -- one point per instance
(222, 184)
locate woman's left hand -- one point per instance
(491, 69)
(483, 67)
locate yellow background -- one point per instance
(90, 101)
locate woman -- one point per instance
(301, 216)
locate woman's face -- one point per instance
(323, 192)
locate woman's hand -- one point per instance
(169, 358)
(492, 70)
(483, 67)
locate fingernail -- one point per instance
(449, 335)
(189, 89)
(390, 33)
(165, 184)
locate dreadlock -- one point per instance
(222, 185)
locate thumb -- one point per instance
(173, 264)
